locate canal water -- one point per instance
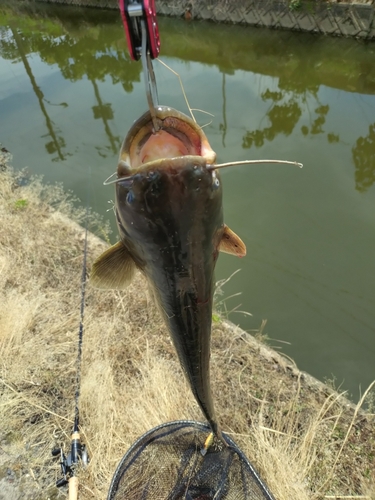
(69, 93)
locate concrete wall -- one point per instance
(328, 18)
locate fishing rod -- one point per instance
(139, 19)
(78, 452)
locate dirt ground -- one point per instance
(306, 440)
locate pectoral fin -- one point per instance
(113, 269)
(231, 243)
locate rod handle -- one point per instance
(73, 488)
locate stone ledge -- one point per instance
(327, 18)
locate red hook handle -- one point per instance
(132, 12)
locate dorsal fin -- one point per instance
(231, 243)
(113, 269)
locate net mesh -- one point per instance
(167, 463)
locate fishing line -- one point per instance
(78, 453)
(182, 87)
(81, 324)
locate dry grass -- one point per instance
(305, 440)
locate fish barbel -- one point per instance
(169, 215)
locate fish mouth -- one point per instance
(177, 136)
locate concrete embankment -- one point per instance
(347, 19)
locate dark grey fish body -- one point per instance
(171, 222)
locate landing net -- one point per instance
(166, 463)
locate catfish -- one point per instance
(169, 214)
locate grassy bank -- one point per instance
(306, 440)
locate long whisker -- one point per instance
(182, 87)
(206, 113)
(107, 182)
(206, 124)
(253, 162)
(212, 167)
(203, 111)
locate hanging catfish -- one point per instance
(170, 219)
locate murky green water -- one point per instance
(69, 93)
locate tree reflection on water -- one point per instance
(284, 114)
(364, 160)
(95, 48)
(57, 143)
(92, 52)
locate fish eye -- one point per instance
(215, 182)
(130, 197)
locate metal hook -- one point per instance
(142, 35)
(149, 76)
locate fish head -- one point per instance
(165, 193)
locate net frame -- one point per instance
(259, 491)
